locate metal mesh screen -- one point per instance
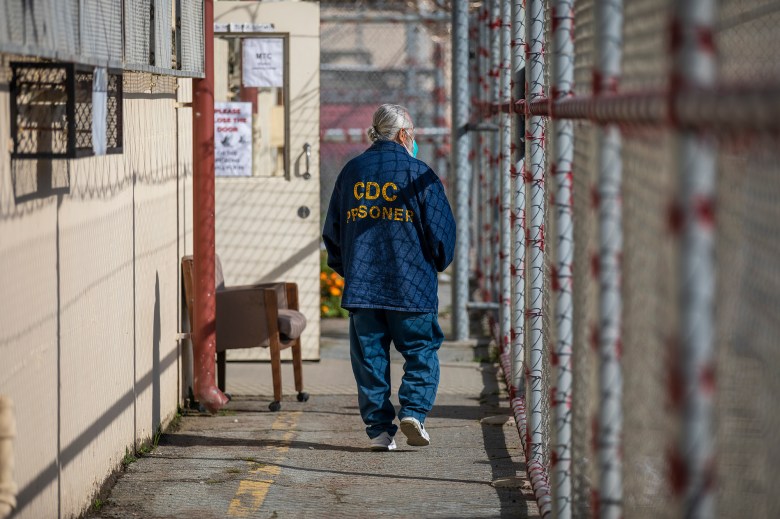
(190, 30)
(748, 283)
(138, 21)
(102, 34)
(163, 34)
(748, 330)
(41, 127)
(90, 32)
(645, 45)
(584, 45)
(584, 361)
(747, 39)
(649, 323)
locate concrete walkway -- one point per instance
(311, 459)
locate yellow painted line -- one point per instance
(249, 498)
(251, 493)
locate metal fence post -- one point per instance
(494, 23)
(484, 156)
(518, 206)
(535, 166)
(460, 165)
(610, 419)
(694, 67)
(562, 87)
(505, 157)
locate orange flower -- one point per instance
(334, 275)
(325, 309)
(335, 291)
(323, 276)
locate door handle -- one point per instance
(307, 151)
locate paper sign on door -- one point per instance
(263, 62)
(233, 139)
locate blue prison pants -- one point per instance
(417, 336)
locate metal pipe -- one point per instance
(412, 49)
(8, 488)
(518, 208)
(695, 67)
(719, 109)
(610, 417)
(494, 22)
(535, 168)
(205, 344)
(561, 169)
(505, 157)
(440, 106)
(460, 167)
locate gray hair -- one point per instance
(388, 120)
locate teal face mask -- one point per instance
(414, 149)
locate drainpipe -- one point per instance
(7, 434)
(205, 326)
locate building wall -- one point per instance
(91, 285)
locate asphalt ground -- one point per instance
(311, 459)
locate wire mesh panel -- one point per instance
(47, 28)
(190, 35)
(585, 292)
(645, 44)
(101, 36)
(747, 38)
(584, 45)
(650, 318)
(748, 303)
(747, 282)
(138, 27)
(41, 121)
(163, 35)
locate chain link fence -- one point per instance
(671, 412)
(382, 52)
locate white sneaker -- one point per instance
(383, 442)
(415, 432)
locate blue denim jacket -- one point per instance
(388, 230)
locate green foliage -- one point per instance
(129, 458)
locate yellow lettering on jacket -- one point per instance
(380, 212)
(372, 190)
(384, 191)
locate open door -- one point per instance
(267, 149)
